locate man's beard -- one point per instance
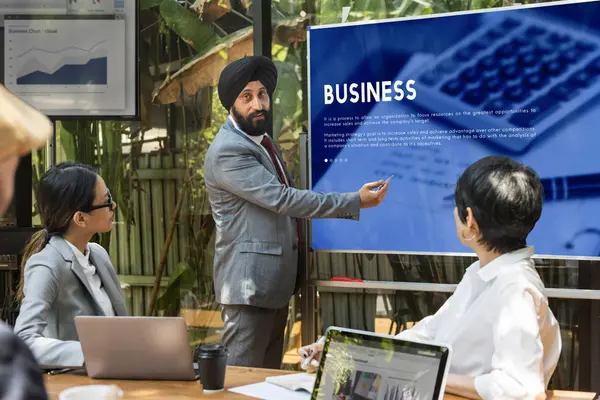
(251, 126)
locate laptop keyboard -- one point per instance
(523, 63)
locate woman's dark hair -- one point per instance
(63, 190)
(506, 198)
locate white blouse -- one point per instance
(500, 328)
(93, 279)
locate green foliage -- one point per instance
(199, 223)
(147, 4)
(196, 33)
(287, 98)
(330, 11)
(182, 279)
(290, 6)
(288, 116)
(218, 115)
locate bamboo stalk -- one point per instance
(163, 256)
(182, 193)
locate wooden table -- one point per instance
(236, 376)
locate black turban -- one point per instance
(239, 73)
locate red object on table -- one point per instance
(345, 279)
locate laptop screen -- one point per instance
(362, 366)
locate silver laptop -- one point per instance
(154, 348)
(362, 365)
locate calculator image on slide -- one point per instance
(520, 74)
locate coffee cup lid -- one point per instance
(212, 349)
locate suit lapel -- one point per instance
(239, 136)
(113, 292)
(61, 245)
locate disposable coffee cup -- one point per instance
(212, 363)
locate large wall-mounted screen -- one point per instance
(422, 98)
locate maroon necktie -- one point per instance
(268, 144)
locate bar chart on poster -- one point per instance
(60, 63)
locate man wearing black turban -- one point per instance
(255, 207)
(238, 74)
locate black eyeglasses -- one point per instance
(109, 204)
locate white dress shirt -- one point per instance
(500, 328)
(94, 280)
(258, 141)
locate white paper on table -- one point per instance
(268, 391)
(295, 382)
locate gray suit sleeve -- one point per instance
(237, 170)
(41, 289)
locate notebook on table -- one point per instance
(295, 382)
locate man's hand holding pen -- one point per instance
(310, 356)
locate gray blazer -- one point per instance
(56, 291)
(256, 252)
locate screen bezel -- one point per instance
(362, 335)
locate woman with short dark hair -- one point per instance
(505, 340)
(498, 202)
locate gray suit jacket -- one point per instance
(256, 252)
(56, 291)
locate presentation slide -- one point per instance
(60, 64)
(421, 99)
(72, 58)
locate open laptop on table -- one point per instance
(153, 348)
(362, 365)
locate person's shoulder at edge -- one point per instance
(21, 377)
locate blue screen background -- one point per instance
(416, 215)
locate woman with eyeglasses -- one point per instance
(63, 275)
